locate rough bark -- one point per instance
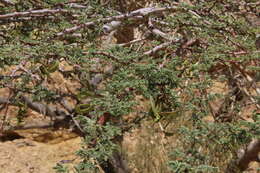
(250, 154)
(245, 156)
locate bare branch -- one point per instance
(29, 18)
(38, 125)
(249, 154)
(131, 42)
(4, 101)
(158, 32)
(32, 13)
(7, 2)
(160, 47)
(140, 13)
(44, 109)
(161, 34)
(107, 28)
(157, 48)
(50, 111)
(77, 6)
(246, 156)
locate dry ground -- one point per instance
(39, 150)
(28, 156)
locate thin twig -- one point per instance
(160, 47)
(131, 42)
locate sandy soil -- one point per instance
(39, 150)
(26, 155)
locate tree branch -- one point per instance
(32, 13)
(140, 13)
(49, 111)
(7, 2)
(249, 154)
(61, 117)
(160, 47)
(245, 156)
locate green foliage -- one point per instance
(176, 81)
(100, 145)
(59, 168)
(202, 138)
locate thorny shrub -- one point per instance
(170, 53)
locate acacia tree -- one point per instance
(168, 53)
